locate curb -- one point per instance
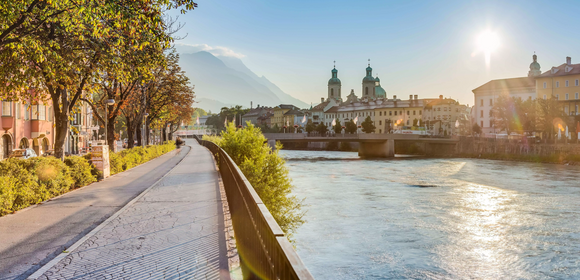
(79, 242)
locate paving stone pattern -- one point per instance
(175, 231)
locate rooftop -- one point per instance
(506, 84)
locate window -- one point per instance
(576, 111)
(390, 113)
(545, 85)
(380, 114)
(380, 122)
(576, 82)
(407, 122)
(490, 123)
(545, 97)
(331, 92)
(481, 115)
(401, 113)
(6, 108)
(41, 112)
(482, 102)
(408, 113)
(557, 84)
(557, 97)
(490, 102)
(566, 83)
(439, 109)
(366, 90)
(395, 113)
(419, 112)
(414, 112)
(566, 96)
(576, 95)
(481, 123)
(490, 113)
(566, 110)
(380, 130)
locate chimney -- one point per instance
(440, 96)
(251, 105)
(321, 99)
(410, 97)
(416, 96)
(568, 60)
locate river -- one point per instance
(414, 218)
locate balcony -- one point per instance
(7, 122)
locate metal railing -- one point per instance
(264, 250)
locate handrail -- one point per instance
(264, 250)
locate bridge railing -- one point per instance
(264, 250)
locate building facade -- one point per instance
(26, 126)
(562, 83)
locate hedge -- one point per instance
(129, 158)
(24, 182)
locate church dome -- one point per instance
(534, 66)
(380, 92)
(334, 80)
(369, 76)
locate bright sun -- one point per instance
(487, 42)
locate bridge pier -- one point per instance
(377, 149)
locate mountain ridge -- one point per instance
(227, 81)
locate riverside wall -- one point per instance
(480, 146)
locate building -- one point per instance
(253, 115)
(562, 83)
(278, 119)
(26, 126)
(294, 117)
(442, 115)
(486, 95)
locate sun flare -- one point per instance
(487, 42)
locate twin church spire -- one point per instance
(371, 88)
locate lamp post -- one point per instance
(143, 130)
(107, 103)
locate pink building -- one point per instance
(26, 126)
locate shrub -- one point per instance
(129, 158)
(81, 170)
(266, 171)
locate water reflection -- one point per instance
(436, 218)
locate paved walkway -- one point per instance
(174, 231)
(33, 236)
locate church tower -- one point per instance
(534, 67)
(334, 86)
(368, 84)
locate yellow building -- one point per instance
(279, 119)
(398, 112)
(562, 83)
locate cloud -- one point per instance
(217, 50)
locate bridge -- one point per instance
(376, 145)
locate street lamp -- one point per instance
(143, 130)
(107, 104)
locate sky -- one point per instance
(428, 48)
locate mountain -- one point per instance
(226, 81)
(237, 64)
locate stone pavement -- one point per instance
(174, 231)
(33, 236)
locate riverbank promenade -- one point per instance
(160, 220)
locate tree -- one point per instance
(476, 129)
(503, 113)
(322, 129)
(368, 126)
(550, 115)
(310, 127)
(337, 127)
(54, 50)
(350, 127)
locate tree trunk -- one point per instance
(163, 134)
(130, 134)
(61, 127)
(61, 121)
(171, 132)
(147, 141)
(139, 133)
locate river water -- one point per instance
(413, 218)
